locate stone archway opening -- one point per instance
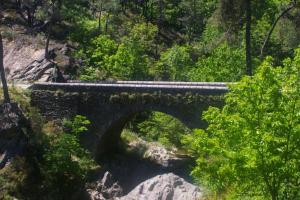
(145, 144)
(137, 132)
(154, 127)
(146, 127)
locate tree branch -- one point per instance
(290, 7)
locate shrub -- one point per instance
(251, 146)
(66, 163)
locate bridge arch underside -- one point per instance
(110, 136)
(109, 111)
(109, 118)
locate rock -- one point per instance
(159, 154)
(164, 187)
(35, 71)
(18, 54)
(162, 156)
(13, 141)
(26, 63)
(105, 189)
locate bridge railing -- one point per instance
(180, 83)
(200, 88)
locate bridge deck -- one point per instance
(156, 83)
(214, 88)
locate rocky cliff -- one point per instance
(24, 60)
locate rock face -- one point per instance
(164, 187)
(26, 63)
(12, 138)
(38, 70)
(105, 189)
(18, 54)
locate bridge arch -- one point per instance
(110, 138)
(109, 106)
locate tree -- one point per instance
(66, 162)
(222, 64)
(174, 64)
(97, 8)
(97, 57)
(49, 12)
(2, 72)
(131, 61)
(29, 7)
(251, 147)
(248, 38)
(284, 12)
(54, 12)
(193, 15)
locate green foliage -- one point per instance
(12, 178)
(105, 58)
(129, 62)
(78, 125)
(66, 163)
(83, 30)
(191, 43)
(143, 34)
(174, 64)
(164, 129)
(225, 63)
(251, 146)
(128, 136)
(101, 48)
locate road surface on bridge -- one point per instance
(127, 86)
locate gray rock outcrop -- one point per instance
(164, 187)
(105, 189)
(26, 62)
(38, 70)
(158, 154)
(13, 141)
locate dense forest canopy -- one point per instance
(250, 149)
(167, 40)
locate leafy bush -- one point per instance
(66, 163)
(12, 179)
(251, 146)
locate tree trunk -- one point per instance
(100, 16)
(18, 4)
(273, 27)
(2, 72)
(29, 17)
(47, 56)
(106, 23)
(248, 38)
(160, 18)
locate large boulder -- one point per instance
(164, 187)
(13, 141)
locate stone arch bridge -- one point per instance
(110, 105)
